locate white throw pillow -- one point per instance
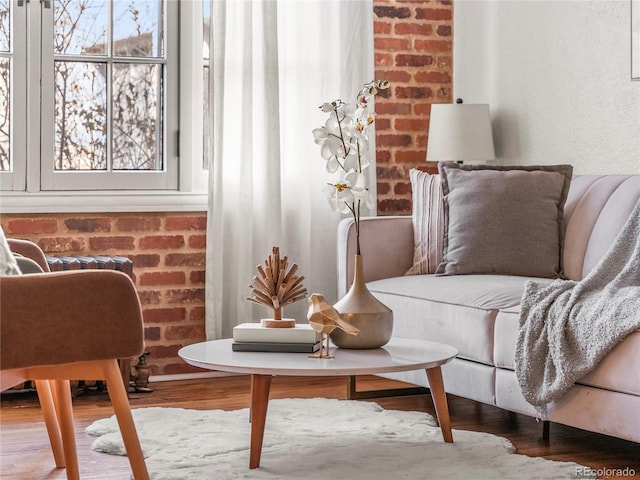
(8, 264)
(428, 222)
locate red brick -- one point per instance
(149, 297)
(138, 224)
(444, 30)
(421, 142)
(162, 278)
(383, 59)
(411, 156)
(411, 124)
(197, 277)
(389, 206)
(186, 223)
(433, 46)
(383, 124)
(123, 244)
(392, 44)
(380, 27)
(414, 92)
(186, 295)
(381, 11)
(402, 188)
(185, 332)
(444, 94)
(145, 260)
(197, 313)
(163, 351)
(88, 225)
(422, 109)
(61, 244)
(433, 14)
(198, 241)
(161, 242)
(433, 77)
(444, 62)
(411, 60)
(392, 172)
(383, 156)
(393, 140)
(383, 188)
(185, 259)
(394, 77)
(152, 333)
(32, 225)
(393, 108)
(164, 315)
(405, 28)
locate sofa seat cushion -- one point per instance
(457, 310)
(619, 371)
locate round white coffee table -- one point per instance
(396, 356)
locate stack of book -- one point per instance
(253, 337)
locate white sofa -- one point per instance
(479, 314)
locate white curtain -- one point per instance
(273, 63)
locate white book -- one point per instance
(255, 332)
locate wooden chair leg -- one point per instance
(64, 409)
(120, 403)
(43, 388)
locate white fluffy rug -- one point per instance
(320, 439)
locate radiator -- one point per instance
(81, 262)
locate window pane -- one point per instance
(137, 28)
(80, 116)
(5, 22)
(206, 21)
(205, 120)
(5, 114)
(136, 117)
(80, 27)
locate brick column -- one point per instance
(413, 50)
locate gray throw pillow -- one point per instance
(504, 220)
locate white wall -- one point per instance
(557, 76)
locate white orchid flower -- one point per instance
(344, 145)
(339, 196)
(358, 186)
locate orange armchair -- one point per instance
(73, 325)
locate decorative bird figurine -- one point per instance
(325, 319)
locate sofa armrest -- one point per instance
(64, 317)
(30, 250)
(386, 244)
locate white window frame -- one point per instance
(188, 193)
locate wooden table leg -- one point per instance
(260, 385)
(440, 402)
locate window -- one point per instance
(95, 97)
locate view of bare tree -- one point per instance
(105, 100)
(5, 84)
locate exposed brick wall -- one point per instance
(413, 50)
(168, 254)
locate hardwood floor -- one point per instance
(25, 452)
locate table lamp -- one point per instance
(460, 133)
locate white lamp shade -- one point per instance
(460, 132)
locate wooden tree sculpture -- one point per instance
(276, 286)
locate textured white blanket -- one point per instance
(567, 327)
